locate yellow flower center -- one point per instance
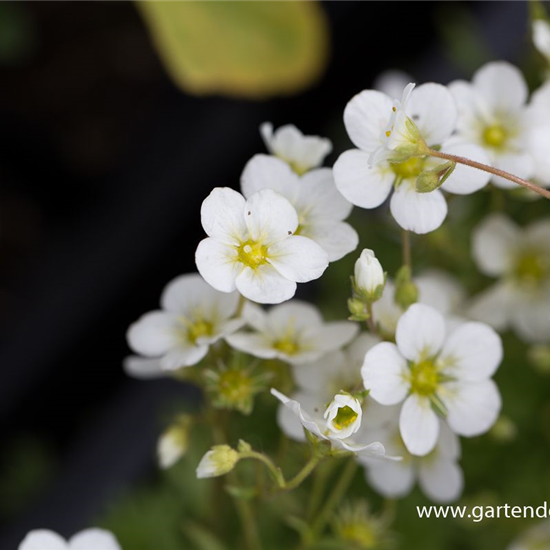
(361, 534)
(495, 136)
(424, 377)
(235, 385)
(287, 345)
(530, 268)
(409, 169)
(252, 254)
(198, 329)
(344, 418)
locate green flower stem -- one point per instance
(319, 483)
(274, 471)
(495, 171)
(406, 245)
(334, 498)
(371, 325)
(313, 462)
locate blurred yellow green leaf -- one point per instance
(245, 49)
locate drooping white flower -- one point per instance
(218, 461)
(294, 332)
(536, 538)
(90, 539)
(300, 152)
(319, 381)
(369, 275)
(193, 316)
(174, 442)
(320, 206)
(379, 127)
(428, 369)
(251, 246)
(336, 423)
(438, 474)
(520, 258)
(436, 288)
(493, 114)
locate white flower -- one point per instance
(369, 118)
(218, 461)
(302, 153)
(251, 246)
(520, 258)
(541, 37)
(536, 538)
(90, 539)
(193, 316)
(438, 473)
(428, 369)
(320, 207)
(318, 382)
(174, 442)
(436, 288)
(294, 332)
(493, 114)
(344, 418)
(369, 275)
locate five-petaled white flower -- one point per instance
(300, 152)
(193, 316)
(438, 473)
(427, 370)
(521, 260)
(294, 332)
(493, 114)
(320, 206)
(339, 420)
(251, 246)
(380, 128)
(319, 381)
(90, 539)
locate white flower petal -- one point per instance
(307, 421)
(440, 290)
(287, 420)
(386, 312)
(298, 259)
(253, 344)
(265, 285)
(318, 378)
(494, 242)
(270, 217)
(218, 264)
(145, 369)
(374, 450)
(320, 197)
(418, 425)
(222, 215)
(42, 539)
(190, 293)
(448, 444)
(472, 407)
(384, 374)
(434, 111)
(255, 316)
(537, 234)
(335, 335)
(531, 319)
(441, 480)
(492, 306)
(267, 172)
(392, 82)
(538, 147)
(155, 333)
(361, 184)
(357, 350)
(418, 212)
(182, 357)
(502, 86)
(336, 238)
(299, 315)
(474, 351)
(420, 332)
(464, 179)
(541, 37)
(366, 117)
(520, 164)
(391, 479)
(94, 539)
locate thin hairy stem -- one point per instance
(406, 246)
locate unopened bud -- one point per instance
(406, 292)
(218, 461)
(429, 180)
(369, 276)
(174, 442)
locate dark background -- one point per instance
(103, 167)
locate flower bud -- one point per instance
(343, 415)
(218, 461)
(429, 180)
(173, 443)
(406, 292)
(369, 276)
